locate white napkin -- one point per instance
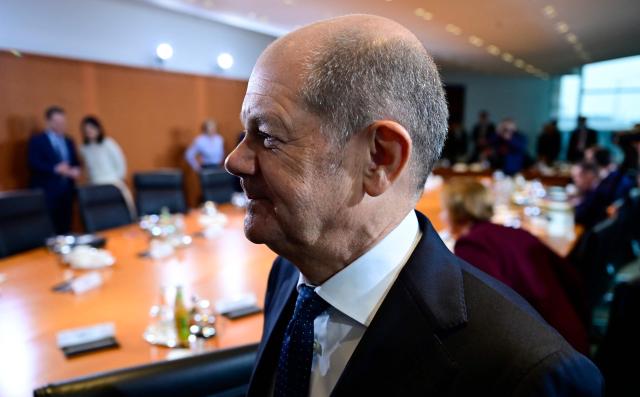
(85, 257)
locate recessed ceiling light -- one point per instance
(519, 63)
(419, 12)
(493, 50)
(549, 11)
(476, 41)
(562, 27)
(164, 51)
(225, 60)
(427, 16)
(453, 29)
(507, 57)
(529, 69)
(572, 38)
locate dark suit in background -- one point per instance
(444, 329)
(43, 157)
(581, 139)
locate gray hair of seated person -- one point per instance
(353, 80)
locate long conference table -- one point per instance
(31, 314)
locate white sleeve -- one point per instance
(117, 158)
(191, 153)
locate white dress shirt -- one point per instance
(210, 148)
(354, 295)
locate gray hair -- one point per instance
(355, 79)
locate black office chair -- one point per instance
(103, 207)
(600, 253)
(24, 221)
(217, 185)
(621, 345)
(217, 374)
(158, 189)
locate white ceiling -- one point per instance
(548, 36)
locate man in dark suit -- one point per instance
(54, 167)
(345, 119)
(582, 138)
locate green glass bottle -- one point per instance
(181, 315)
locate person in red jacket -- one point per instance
(516, 258)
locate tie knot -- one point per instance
(309, 304)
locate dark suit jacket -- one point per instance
(549, 283)
(43, 159)
(444, 329)
(574, 154)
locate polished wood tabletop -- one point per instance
(31, 313)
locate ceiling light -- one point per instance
(164, 51)
(519, 63)
(549, 11)
(572, 38)
(453, 29)
(427, 16)
(476, 41)
(225, 61)
(419, 12)
(493, 50)
(562, 27)
(529, 69)
(507, 57)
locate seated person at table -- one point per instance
(345, 119)
(515, 257)
(509, 148)
(600, 185)
(207, 150)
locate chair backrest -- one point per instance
(217, 185)
(621, 344)
(220, 373)
(102, 207)
(600, 252)
(24, 221)
(158, 189)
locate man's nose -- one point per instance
(242, 160)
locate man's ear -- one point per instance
(389, 147)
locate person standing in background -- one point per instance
(482, 133)
(54, 167)
(208, 146)
(582, 138)
(549, 143)
(103, 158)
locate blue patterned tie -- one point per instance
(296, 353)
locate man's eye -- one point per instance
(268, 141)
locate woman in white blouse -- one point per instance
(103, 158)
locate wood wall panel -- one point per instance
(154, 115)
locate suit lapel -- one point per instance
(275, 323)
(401, 352)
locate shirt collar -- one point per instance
(359, 288)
